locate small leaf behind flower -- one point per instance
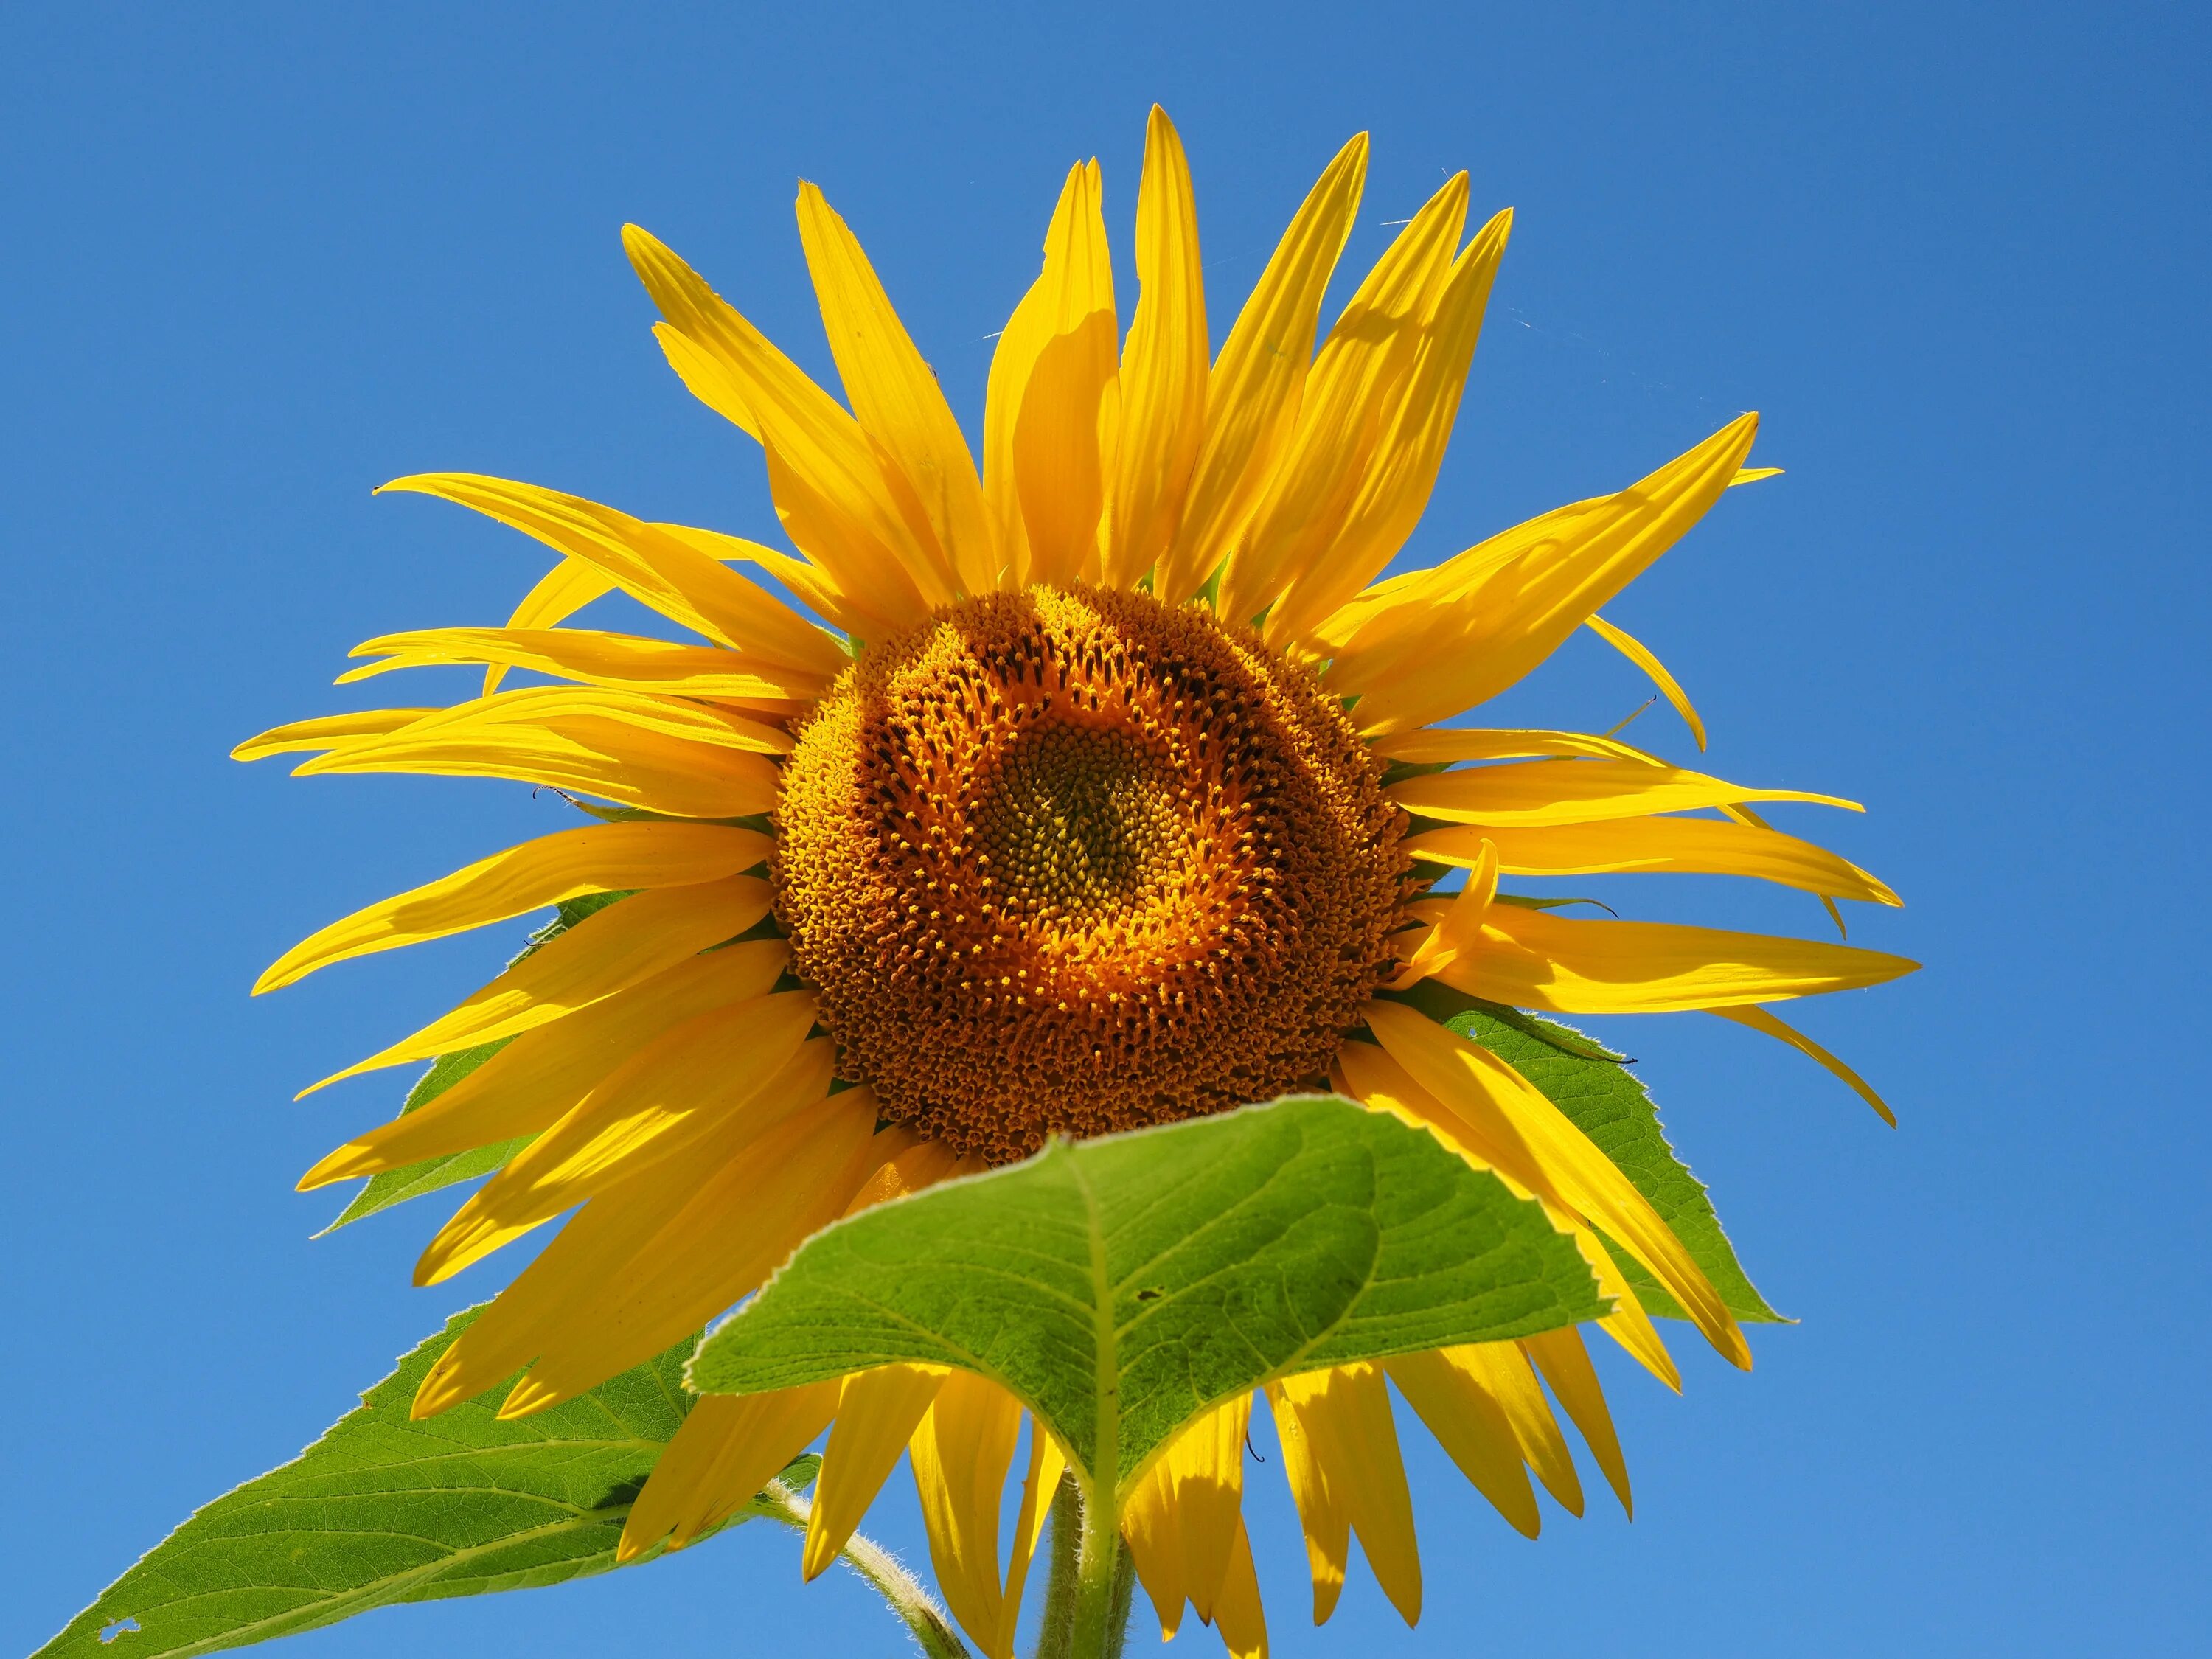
(1123, 1285)
(382, 1511)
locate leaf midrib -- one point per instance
(1106, 1447)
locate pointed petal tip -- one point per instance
(435, 1394)
(1735, 1350)
(333, 1166)
(525, 1398)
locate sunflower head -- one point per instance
(1072, 860)
(1085, 774)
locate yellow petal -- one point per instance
(1461, 633)
(557, 595)
(1560, 1356)
(1686, 846)
(1394, 491)
(1069, 416)
(528, 1085)
(605, 858)
(652, 566)
(1459, 927)
(1242, 1621)
(728, 1449)
(812, 584)
(1501, 1370)
(1046, 1465)
(1628, 1324)
(1639, 654)
(1198, 1496)
(894, 393)
(1012, 361)
(609, 951)
(1510, 1112)
(1539, 959)
(619, 661)
(905, 1163)
(1253, 394)
(1753, 474)
(833, 496)
(1152, 1529)
(696, 1081)
(1348, 401)
(1163, 365)
(551, 705)
(328, 732)
(679, 758)
(1759, 1019)
(876, 1415)
(960, 1453)
(1323, 1515)
(685, 1240)
(1473, 1429)
(1431, 745)
(1551, 791)
(705, 379)
(1344, 1412)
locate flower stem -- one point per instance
(1058, 1622)
(915, 1606)
(1086, 1604)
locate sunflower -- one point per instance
(1107, 785)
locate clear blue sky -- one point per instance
(258, 258)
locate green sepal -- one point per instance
(1609, 1103)
(382, 1511)
(1166, 1270)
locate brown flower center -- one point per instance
(1068, 860)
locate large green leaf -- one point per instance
(1609, 1103)
(382, 1511)
(1121, 1286)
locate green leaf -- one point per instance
(1609, 1103)
(382, 1511)
(381, 1192)
(1166, 1270)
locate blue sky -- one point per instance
(260, 258)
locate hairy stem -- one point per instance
(1071, 1600)
(915, 1606)
(1064, 1540)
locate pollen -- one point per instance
(1069, 860)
